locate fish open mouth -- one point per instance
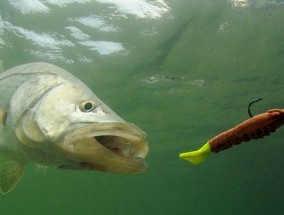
(110, 147)
(121, 146)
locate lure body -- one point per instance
(254, 128)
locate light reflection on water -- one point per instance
(96, 32)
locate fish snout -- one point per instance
(109, 147)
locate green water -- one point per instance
(183, 77)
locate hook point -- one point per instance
(253, 101)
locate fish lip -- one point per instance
(105, 158)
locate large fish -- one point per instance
(49, 117)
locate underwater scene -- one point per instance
(181, 71)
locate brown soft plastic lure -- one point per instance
(254, 128)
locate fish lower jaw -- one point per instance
(136, 165)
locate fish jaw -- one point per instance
(109, 147)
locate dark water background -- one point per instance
(183, 71)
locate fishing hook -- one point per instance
(254, 101)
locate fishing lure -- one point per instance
(256, 127)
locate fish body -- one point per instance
(49, 117)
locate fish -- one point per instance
(51, 118)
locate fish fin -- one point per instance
(198, 156)
(11, 172)
(3, 116)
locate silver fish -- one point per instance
(49, 117)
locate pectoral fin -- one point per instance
(11, 172)
(3, 116)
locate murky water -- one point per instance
(183, 71)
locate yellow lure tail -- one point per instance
(198, 156)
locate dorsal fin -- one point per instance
(11, 172)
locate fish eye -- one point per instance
(87, 106)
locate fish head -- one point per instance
(79, 131)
